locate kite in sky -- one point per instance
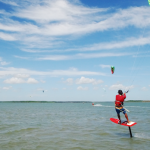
(149, 2)
(112, 69)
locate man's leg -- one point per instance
(119, 118)
(127, 117)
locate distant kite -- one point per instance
(112, 69)
(43, 91)
(149, 2)
(104, 89)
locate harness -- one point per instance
(120, 104)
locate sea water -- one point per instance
(72, 126)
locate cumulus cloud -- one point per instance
(82, 88)
(120, 86)
(32, 81)
(15, 80)
(84, 80)
(144, 89)
(22, 75)
(69, 81)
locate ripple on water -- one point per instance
(70, 127)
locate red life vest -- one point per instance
(120, 99)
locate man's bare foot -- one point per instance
(119, 122)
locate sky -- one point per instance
(63, 50)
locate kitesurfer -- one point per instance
(119, 105)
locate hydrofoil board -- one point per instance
(123, 122)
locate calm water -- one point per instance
(71, 126)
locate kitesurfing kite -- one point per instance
(104, 89)
(149, 2)
(112, 69)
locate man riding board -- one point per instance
(119, 105)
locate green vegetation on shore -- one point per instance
(138, 101)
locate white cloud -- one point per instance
(56, 10)
(55, 57)
(69, 81)
(84, 80)
(64, 88)
(70, 72)
(82, 88)
(55, 18)
(3, 63)
(144, 89)
(32, 81)
(129, 42)
(43, 81)
(15, 80)
(7, 37)
(7, 88)
(22, 75)
(105, 66)
(120, 87)
(21, 57)
(82, 56)
(9, 2)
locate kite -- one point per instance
(149, 2)
(104, 89)
(112, 69)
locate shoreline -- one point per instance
(68, 101)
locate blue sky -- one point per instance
(66, 48)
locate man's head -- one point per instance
(120, 92)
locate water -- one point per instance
(71, 126)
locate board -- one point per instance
(123, 122)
